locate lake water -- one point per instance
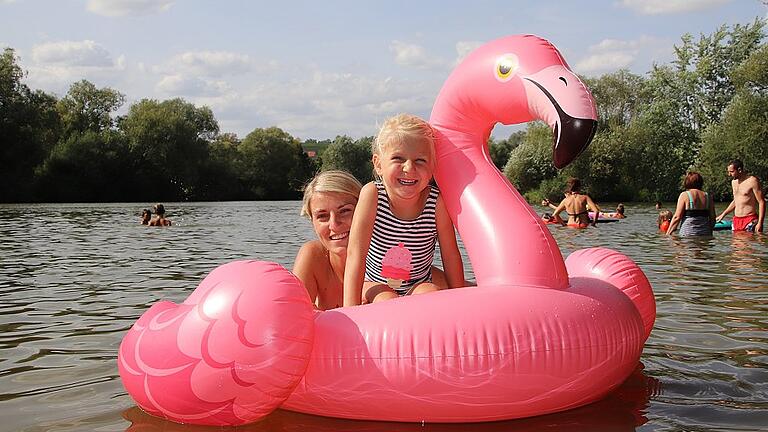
(74, 278)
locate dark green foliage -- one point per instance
(500, 150)
(29, 128)
(531, 162)
(272, 165)
(169, 144)
(352, 156)
(741, 134)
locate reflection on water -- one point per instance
(74, 278)
(622, 410)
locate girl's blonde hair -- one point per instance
(329, 181)
(402, 128)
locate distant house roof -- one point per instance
(311, 153)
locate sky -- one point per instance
(318, 69)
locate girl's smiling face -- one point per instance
(331, 214)
(405, 168)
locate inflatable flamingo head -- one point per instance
(517, 79)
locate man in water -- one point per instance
(159, 219)
(748, 201)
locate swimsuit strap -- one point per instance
(579, 214)
(690, 200)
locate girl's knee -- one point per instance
(425, 287)
(378, 292)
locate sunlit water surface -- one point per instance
(74, 278)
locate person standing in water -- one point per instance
(575, 204)
(695, 211)
(748, 202)
(146, 216)
(159, 219)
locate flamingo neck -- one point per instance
(506, 241)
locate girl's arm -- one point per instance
(678, 213)
(359, 242)
(304, 268)
(449, 249)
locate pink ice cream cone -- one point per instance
(396, 266)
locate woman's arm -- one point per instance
(594, 208)
(712, 217)
(548, 203)
(304, 267)
(681, 200)
(559, 209)
(449, 249)
(359, 241)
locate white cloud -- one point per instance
(414, 56)
(115, 8)
(177, 85)
(605, 62)
(664, 7)
(322, 105)
(56, 65)
(612, 54)
(463, 48)
(85, 53)
(215, 64)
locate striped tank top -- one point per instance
(418, 236)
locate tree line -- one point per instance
(706, 107)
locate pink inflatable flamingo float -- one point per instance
(537, 335)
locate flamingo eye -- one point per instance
(506, 66)
(564, 81)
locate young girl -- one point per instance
(398, 219)
(665, 216)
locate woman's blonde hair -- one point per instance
(329, 181)
(402, 128)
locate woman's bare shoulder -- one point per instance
(312, 249)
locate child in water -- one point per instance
(398, 219)
(665, 216)
(146, 216)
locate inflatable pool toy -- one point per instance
(723, 225)
(539, 334)
(608, 215)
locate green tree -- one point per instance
(500, 150)
(619, 97)
(531, 162)
(87, 166)
(269, 160)
(87, 108)
(219, 178)
(29, 128)
(169, 143)
(352, 156)
(742, 132)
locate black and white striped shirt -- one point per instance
(418, 236)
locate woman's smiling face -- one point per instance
(331, 214)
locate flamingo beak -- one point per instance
(572, 138)
(572, 135)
